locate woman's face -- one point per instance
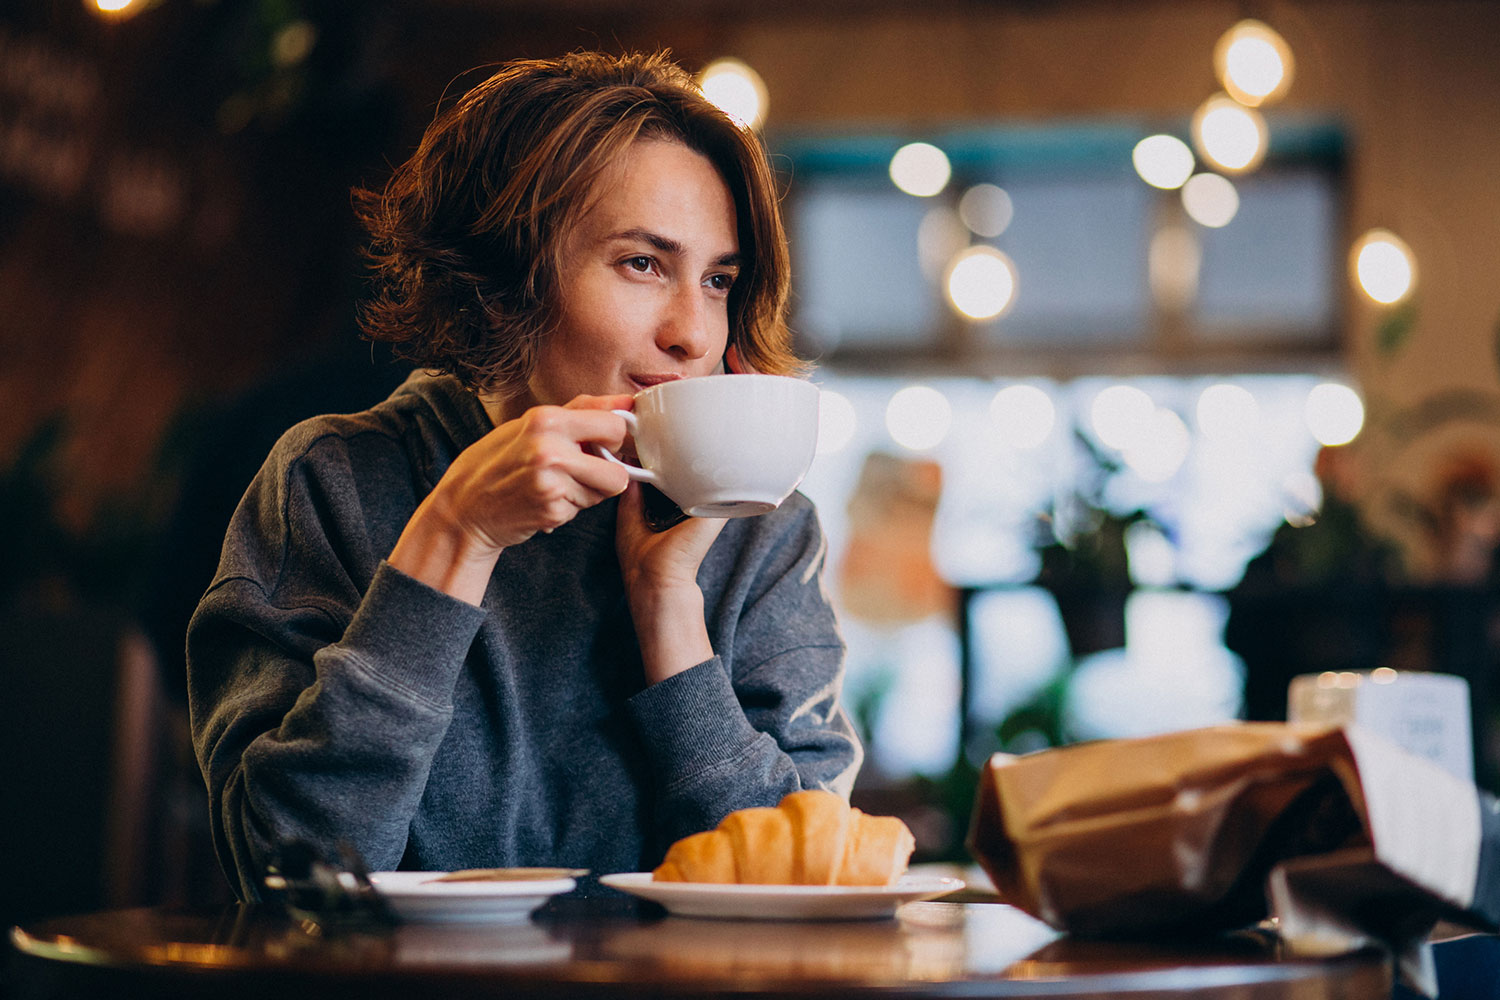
(644, 285)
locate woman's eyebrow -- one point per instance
(669, 246)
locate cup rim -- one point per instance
(726, 375)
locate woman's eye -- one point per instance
(721, 282)
(640, 264)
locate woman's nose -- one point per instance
(686, 328)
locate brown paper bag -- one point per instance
(1182, 832)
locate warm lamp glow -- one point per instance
(735, 89)
(1229, 135)
(113, 7)
(981, 282)
(1163, 161)
(1383, 266)
(1253, 63)
(921, 169)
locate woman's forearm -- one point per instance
(431, 549)
(671, 629)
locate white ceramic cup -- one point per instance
(724, 445)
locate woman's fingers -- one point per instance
(661, 558)
(568, 442)
(553, 461)
(537, 471)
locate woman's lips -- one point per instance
(647, 381)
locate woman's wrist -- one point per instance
(671, 629)
(438, 552)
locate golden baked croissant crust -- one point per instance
(811, 838)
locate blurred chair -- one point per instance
(90, 785)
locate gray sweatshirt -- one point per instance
(334, 698)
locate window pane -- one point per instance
(1079, 245)
(1272, 269)
(857, 277)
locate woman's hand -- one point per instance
(533, 473)
(661, 585)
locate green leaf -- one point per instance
(1396, 327)
(1497, 342)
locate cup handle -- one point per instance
(635, 472)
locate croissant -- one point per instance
(811, 838)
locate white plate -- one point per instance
(782, 902)
(416, 896)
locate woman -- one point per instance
(441, 630)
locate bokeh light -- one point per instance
(114, 8)
(1227, 412)
(1210, 200)
(986, 210)
(921, 169)
(1160, 447)
(1152, 556)
(1119, 414)
(1253, 63)
(1302, 498)
(918, 417)
(737, 90)
(1174, 263)
(1335, 413)
(837, 422)
(1024, 415)
(1229, 135)
(981, 283)
(1384, 267)
(294, 43)
(1163, 161)
(940, 236)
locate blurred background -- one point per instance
(1160, 348)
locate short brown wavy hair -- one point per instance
(467, 235)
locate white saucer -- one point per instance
(782, 902)
(418, 896)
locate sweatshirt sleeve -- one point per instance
(764, 717)
(318, 701)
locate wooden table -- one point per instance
(615, 947)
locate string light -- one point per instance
(735, 89)
(981, 282)
(921, 169)
(1253, 63)
(1163, 161)
(1383, 266)
(1229, 135)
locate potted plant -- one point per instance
(1084, 562)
